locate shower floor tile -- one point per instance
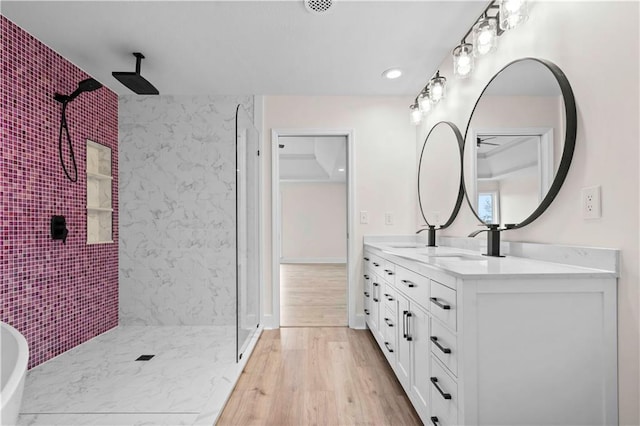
(100, 382)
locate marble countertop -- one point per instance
(472, 264)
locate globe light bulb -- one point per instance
(463, 60)
(513, 13)
(485, 36)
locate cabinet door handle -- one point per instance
(435, 301)
(366, 258)
(408, 283)
(388, 347)
(366, 277)
(404, 324)
(388, 271)
(388, 321)
(366, 293)
(434, 339)
(376, 264)
(434, 380)
(409, 315)
(366, 311)
(434, 420)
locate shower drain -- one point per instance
(145, 357)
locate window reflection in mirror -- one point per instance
(513, 143)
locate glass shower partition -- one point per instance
(247, 230)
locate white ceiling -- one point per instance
(253, 47)
(313, 158)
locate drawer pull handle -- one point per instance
(388, 271)
(376, 264)
(366, 293)
(434, 420)
(389, 297)
(434, 380)
(388, 321)
(366, 277)
(434, 339)
(366, 258)
(388, 347)
(366, 311)
(376, 284)
(408, 283)
(435, 301)
(375, 299)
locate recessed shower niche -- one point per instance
(99, 208)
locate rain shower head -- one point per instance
(134, 81)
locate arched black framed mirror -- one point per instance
(440, 190)
(519, 143)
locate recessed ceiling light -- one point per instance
(392, 73)
(341, 170)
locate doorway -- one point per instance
(311, 210)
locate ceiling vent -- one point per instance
(318, 7)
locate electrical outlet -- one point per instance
(591, 203)
(364, 217)
(388, 218)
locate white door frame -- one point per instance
(275, 218)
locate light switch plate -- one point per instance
(388, 218)
(364, 217)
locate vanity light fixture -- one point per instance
(485, 35)
(392, 73)
(415, 114)
(512, 13)
(424, 103)
(463, 60)
(436, 88)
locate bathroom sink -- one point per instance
(452, 257)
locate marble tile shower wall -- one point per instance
(57, 295)
(177, 209)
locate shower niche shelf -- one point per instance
(99, 208)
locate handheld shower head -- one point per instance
(88, 85)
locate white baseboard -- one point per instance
(359, 322)
(268, 322)
(313, 260)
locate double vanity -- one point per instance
(475, 339)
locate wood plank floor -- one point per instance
(318, 376)
(313, 295)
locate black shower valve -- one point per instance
(59, 229)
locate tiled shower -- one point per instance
(179, 282)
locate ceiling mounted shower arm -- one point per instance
(139, 57)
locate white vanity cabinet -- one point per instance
(519, 342)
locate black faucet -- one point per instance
(493, 239)
(431, 235)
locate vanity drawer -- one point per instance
(444, 394)
(413, 285)
(388, 271)
(389, 334)
(443, 304)
(376, 264)
(390, 298)
(444, 345)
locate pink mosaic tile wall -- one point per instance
(57, 295)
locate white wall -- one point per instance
(596, 44)
(314, 221)
(385, 163)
